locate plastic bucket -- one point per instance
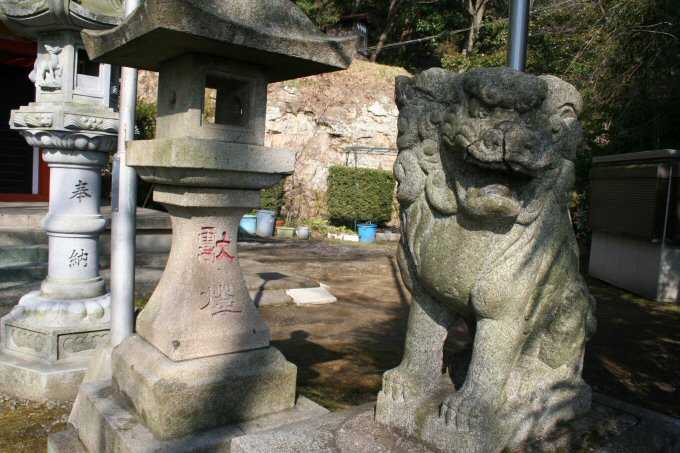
(367, 232)
(285, 232)
(248, 224)
(303, 232)
(265, 223)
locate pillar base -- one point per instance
(92, 288)
(108, 423)
(175, 399)
(46, 345)
(48, 331)
(39, 382)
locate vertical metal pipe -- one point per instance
(519, 30)
(123, 207)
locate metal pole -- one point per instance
(123, 207)
(356, 187)
(519, 30)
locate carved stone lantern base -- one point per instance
(109, 423)
(174, 399)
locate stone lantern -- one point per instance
(201, 360)
(49, 336)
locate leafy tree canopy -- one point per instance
(623, 55)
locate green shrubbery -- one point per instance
(371, 202)
(145, 120)
(272, 199)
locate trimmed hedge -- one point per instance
(272, 199)
(371, 202)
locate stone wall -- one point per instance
(319, 117)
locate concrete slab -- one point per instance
(311, 296)
(109, 424)
(610, 427)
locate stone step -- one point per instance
(151, 241)
(21, 224)
(11, 292)
(146, 241)
(22, 236)
(23, 272)
(22, 254)
(154, 260)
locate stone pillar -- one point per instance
(49, 336)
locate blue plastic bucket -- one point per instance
(265, 223)
(367, 232)
(248, 224)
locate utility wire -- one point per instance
(547, 9)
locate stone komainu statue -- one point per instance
(484, 169)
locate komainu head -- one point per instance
(487, 141)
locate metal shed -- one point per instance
(635, 219)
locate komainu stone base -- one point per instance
(610, 426)
(40, 382)
(532, 417)
(108, 423)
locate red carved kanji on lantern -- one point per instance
(212, 251)
(221, 252)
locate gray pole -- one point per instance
(519, 30)
(123, 207)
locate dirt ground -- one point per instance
(342, 349)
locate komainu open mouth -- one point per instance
(491, 188)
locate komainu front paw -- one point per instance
(401, 385)
(465, 410)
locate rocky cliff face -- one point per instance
(320, 117)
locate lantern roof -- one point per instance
(274, 34)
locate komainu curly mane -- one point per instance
(484, 171)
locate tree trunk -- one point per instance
(476, 9)
(386, 31)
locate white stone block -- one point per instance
(311, 296)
